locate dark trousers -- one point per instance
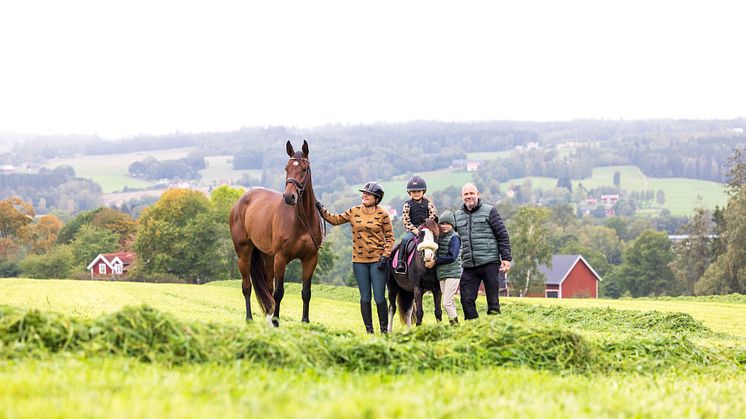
(469, 285)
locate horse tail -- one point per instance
(260, 280)
(405, 301)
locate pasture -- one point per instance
(437, 180)
(111, 171)
(72, 349)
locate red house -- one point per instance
(111, 265)
(571, 276)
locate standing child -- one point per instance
(448, 262)
(414, 213)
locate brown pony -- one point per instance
(269, 229)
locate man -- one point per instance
(485, 250)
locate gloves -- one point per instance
(382, 263)
(319, 206)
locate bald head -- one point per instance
(470, 195)
(469, 187)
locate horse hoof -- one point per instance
(305, 320)
(275, 322)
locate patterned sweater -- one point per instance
(372, 234)
(407, 218)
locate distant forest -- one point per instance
(349, 155)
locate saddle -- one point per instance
(411, 247)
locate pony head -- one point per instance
(430, 233)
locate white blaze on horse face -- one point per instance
(428, 245)
(295, 163)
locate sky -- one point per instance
(124, 68)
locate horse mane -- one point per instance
(431, 225)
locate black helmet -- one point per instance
(373, 188)
(416, 183)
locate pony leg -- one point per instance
(409, 315)
(438, 300)
(418, 302)
(308, 265)
(393, 291)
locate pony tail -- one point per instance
(260, 280)
(405, 302)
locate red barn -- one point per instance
(571, 276)
(111, 265)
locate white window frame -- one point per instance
(102, 269)
(118, 269)
(553, 291)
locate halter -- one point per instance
(301, 187)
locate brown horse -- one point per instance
(406, 290)
(269, 229)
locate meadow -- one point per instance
(115, 349)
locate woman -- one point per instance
(372, 241)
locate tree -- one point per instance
(180, 235)
(223, 198)
(644, 270)
(727, 273)
(40, 236)
(91, 241)
(594, 257)
(530, 245)
(693, 254)
(617, 179)
(14, 214)
(660, 197)
(736, 176)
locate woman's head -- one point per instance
(372, 193)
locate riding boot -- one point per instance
(367, 312)
(383, 316)
(401, 265)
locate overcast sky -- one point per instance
(129, 67)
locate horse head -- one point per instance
(428, 244)
(297, 173)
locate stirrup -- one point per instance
(401, 268)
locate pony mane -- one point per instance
(431, 225)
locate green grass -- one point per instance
(650, 367)
(220, 169)
(437, 180)
(110, 171)
(681, 194)
(489, 155)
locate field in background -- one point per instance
(220, 170)
(437, 180)
(110, 171)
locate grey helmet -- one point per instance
(373, 188)
(416, 183)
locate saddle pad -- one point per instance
(412, 245)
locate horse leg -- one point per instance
(418, 302)
(438, 300)
(244, 264)
(308, 265)
(279, 269)
(269, 262)
(393, 291)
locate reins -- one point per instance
(301, 187)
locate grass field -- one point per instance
(437, 180)
(76, 384)
(220, 169)
(489, 155)
(681, 194)
(110, 171)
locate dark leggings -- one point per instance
(367, 275)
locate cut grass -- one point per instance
(116, 387)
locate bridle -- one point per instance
(301, 187)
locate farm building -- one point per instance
(571, 276)
(111, 265)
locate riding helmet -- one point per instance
(416, 183)
(373, 188)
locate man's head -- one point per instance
(470, 195)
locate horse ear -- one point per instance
(305, 149)
(290, 150)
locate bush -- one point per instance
(9, 269)
(55, 264)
